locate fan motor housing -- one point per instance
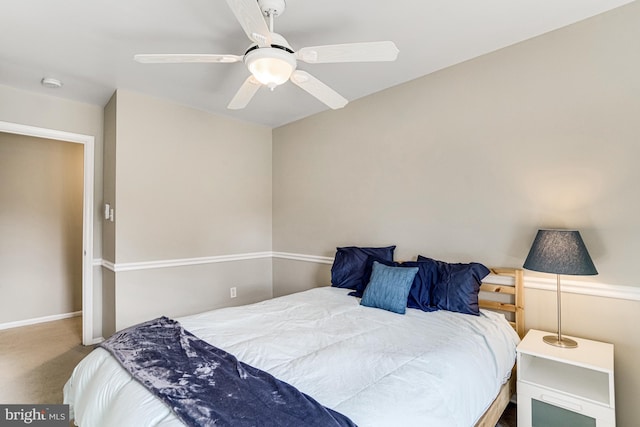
(277, 42)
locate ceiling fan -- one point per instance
(272, 61)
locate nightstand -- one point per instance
(565, 386)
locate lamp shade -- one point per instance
(560, 252)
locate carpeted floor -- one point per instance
(37, 360)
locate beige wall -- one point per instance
(108, 296)
(467, 163)
(49, 112)
(109, 178)
(40, 227)
(544, 133)
(295, 276)
(188, 184)
(178, 291)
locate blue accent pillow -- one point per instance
(457, 286)
(388, 288)
(349, 265)
(420, 292)
(368, 267)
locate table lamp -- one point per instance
(560, 252)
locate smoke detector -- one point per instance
(51, 83)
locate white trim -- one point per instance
(87, 211)
(147, 265)
(631, 293)
(35, 321)
(108, 265)
(302, 257)
(96, 341)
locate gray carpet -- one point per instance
(37, 360)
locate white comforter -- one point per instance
(376, 367)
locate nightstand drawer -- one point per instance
(538, 405)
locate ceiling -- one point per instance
(89, 45)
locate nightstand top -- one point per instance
(589, 354)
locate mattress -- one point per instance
(376, 367)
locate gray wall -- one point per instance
(544, 133)
(108, 299)
(467, 163)
(188, 184)
(49, 112)
(178, 291)
(40, 227)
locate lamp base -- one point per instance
(563, 342)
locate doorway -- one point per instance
(87, 211)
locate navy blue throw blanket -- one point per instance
(206, 386)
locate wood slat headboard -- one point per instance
(508, 283)
(513, 287)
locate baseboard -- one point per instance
(35, 321)
(96, 341)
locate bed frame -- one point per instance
(509, 282)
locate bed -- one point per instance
(376, 367)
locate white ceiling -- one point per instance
(89, 45)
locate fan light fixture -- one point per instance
(272, 61)
(270, 66)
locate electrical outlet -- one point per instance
(232, 292)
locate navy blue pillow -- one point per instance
(420, 292)
(457, 286)
(389, 287)
(349, 265)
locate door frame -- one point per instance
(87, 211)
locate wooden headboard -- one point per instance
(503, 284)
(509, 282)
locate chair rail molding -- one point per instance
(570, 286)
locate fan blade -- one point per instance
(250, 17)
(176, 58)
(350, 52)
(244, 94)
(318, 89)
